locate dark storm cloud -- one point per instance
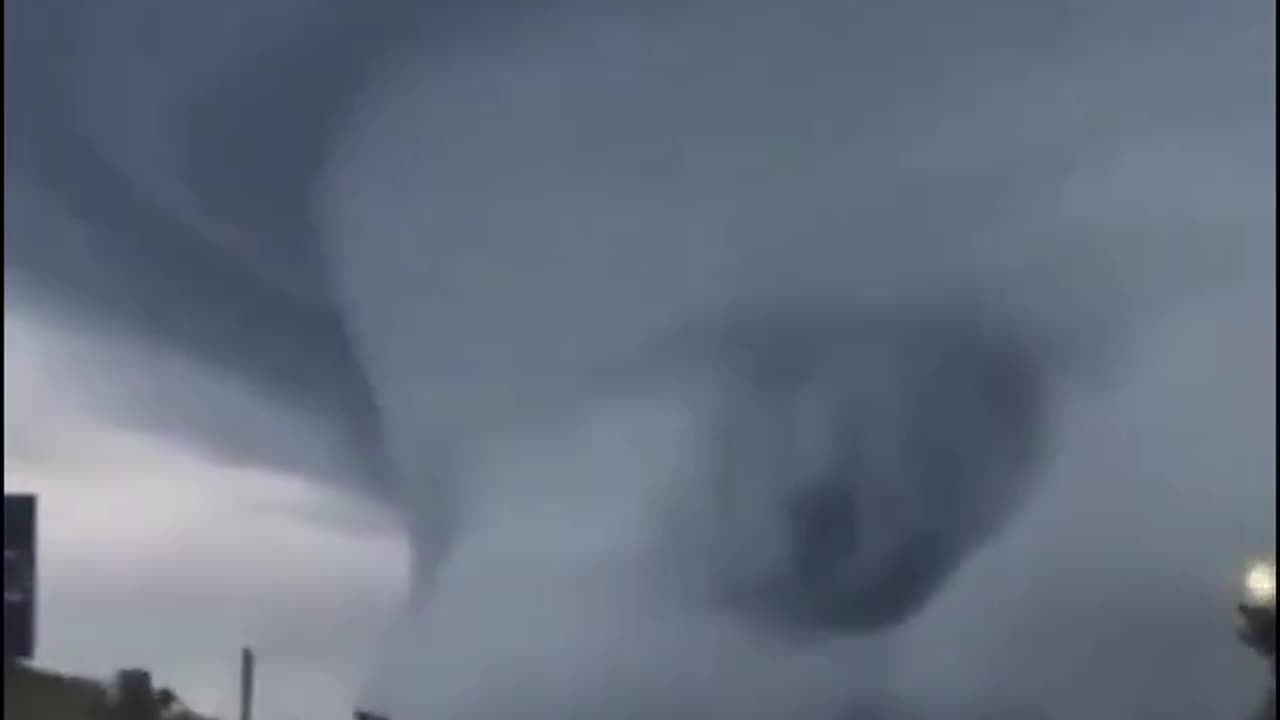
(950, 182)
(154, 275)
(255, 302)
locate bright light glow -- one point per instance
(1260, 584)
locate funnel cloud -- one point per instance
(711, 352)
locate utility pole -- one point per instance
(246, 684)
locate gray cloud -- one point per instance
(419, 242)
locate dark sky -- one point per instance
(213, 244)
(393, 217)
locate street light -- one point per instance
(1258, 607)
